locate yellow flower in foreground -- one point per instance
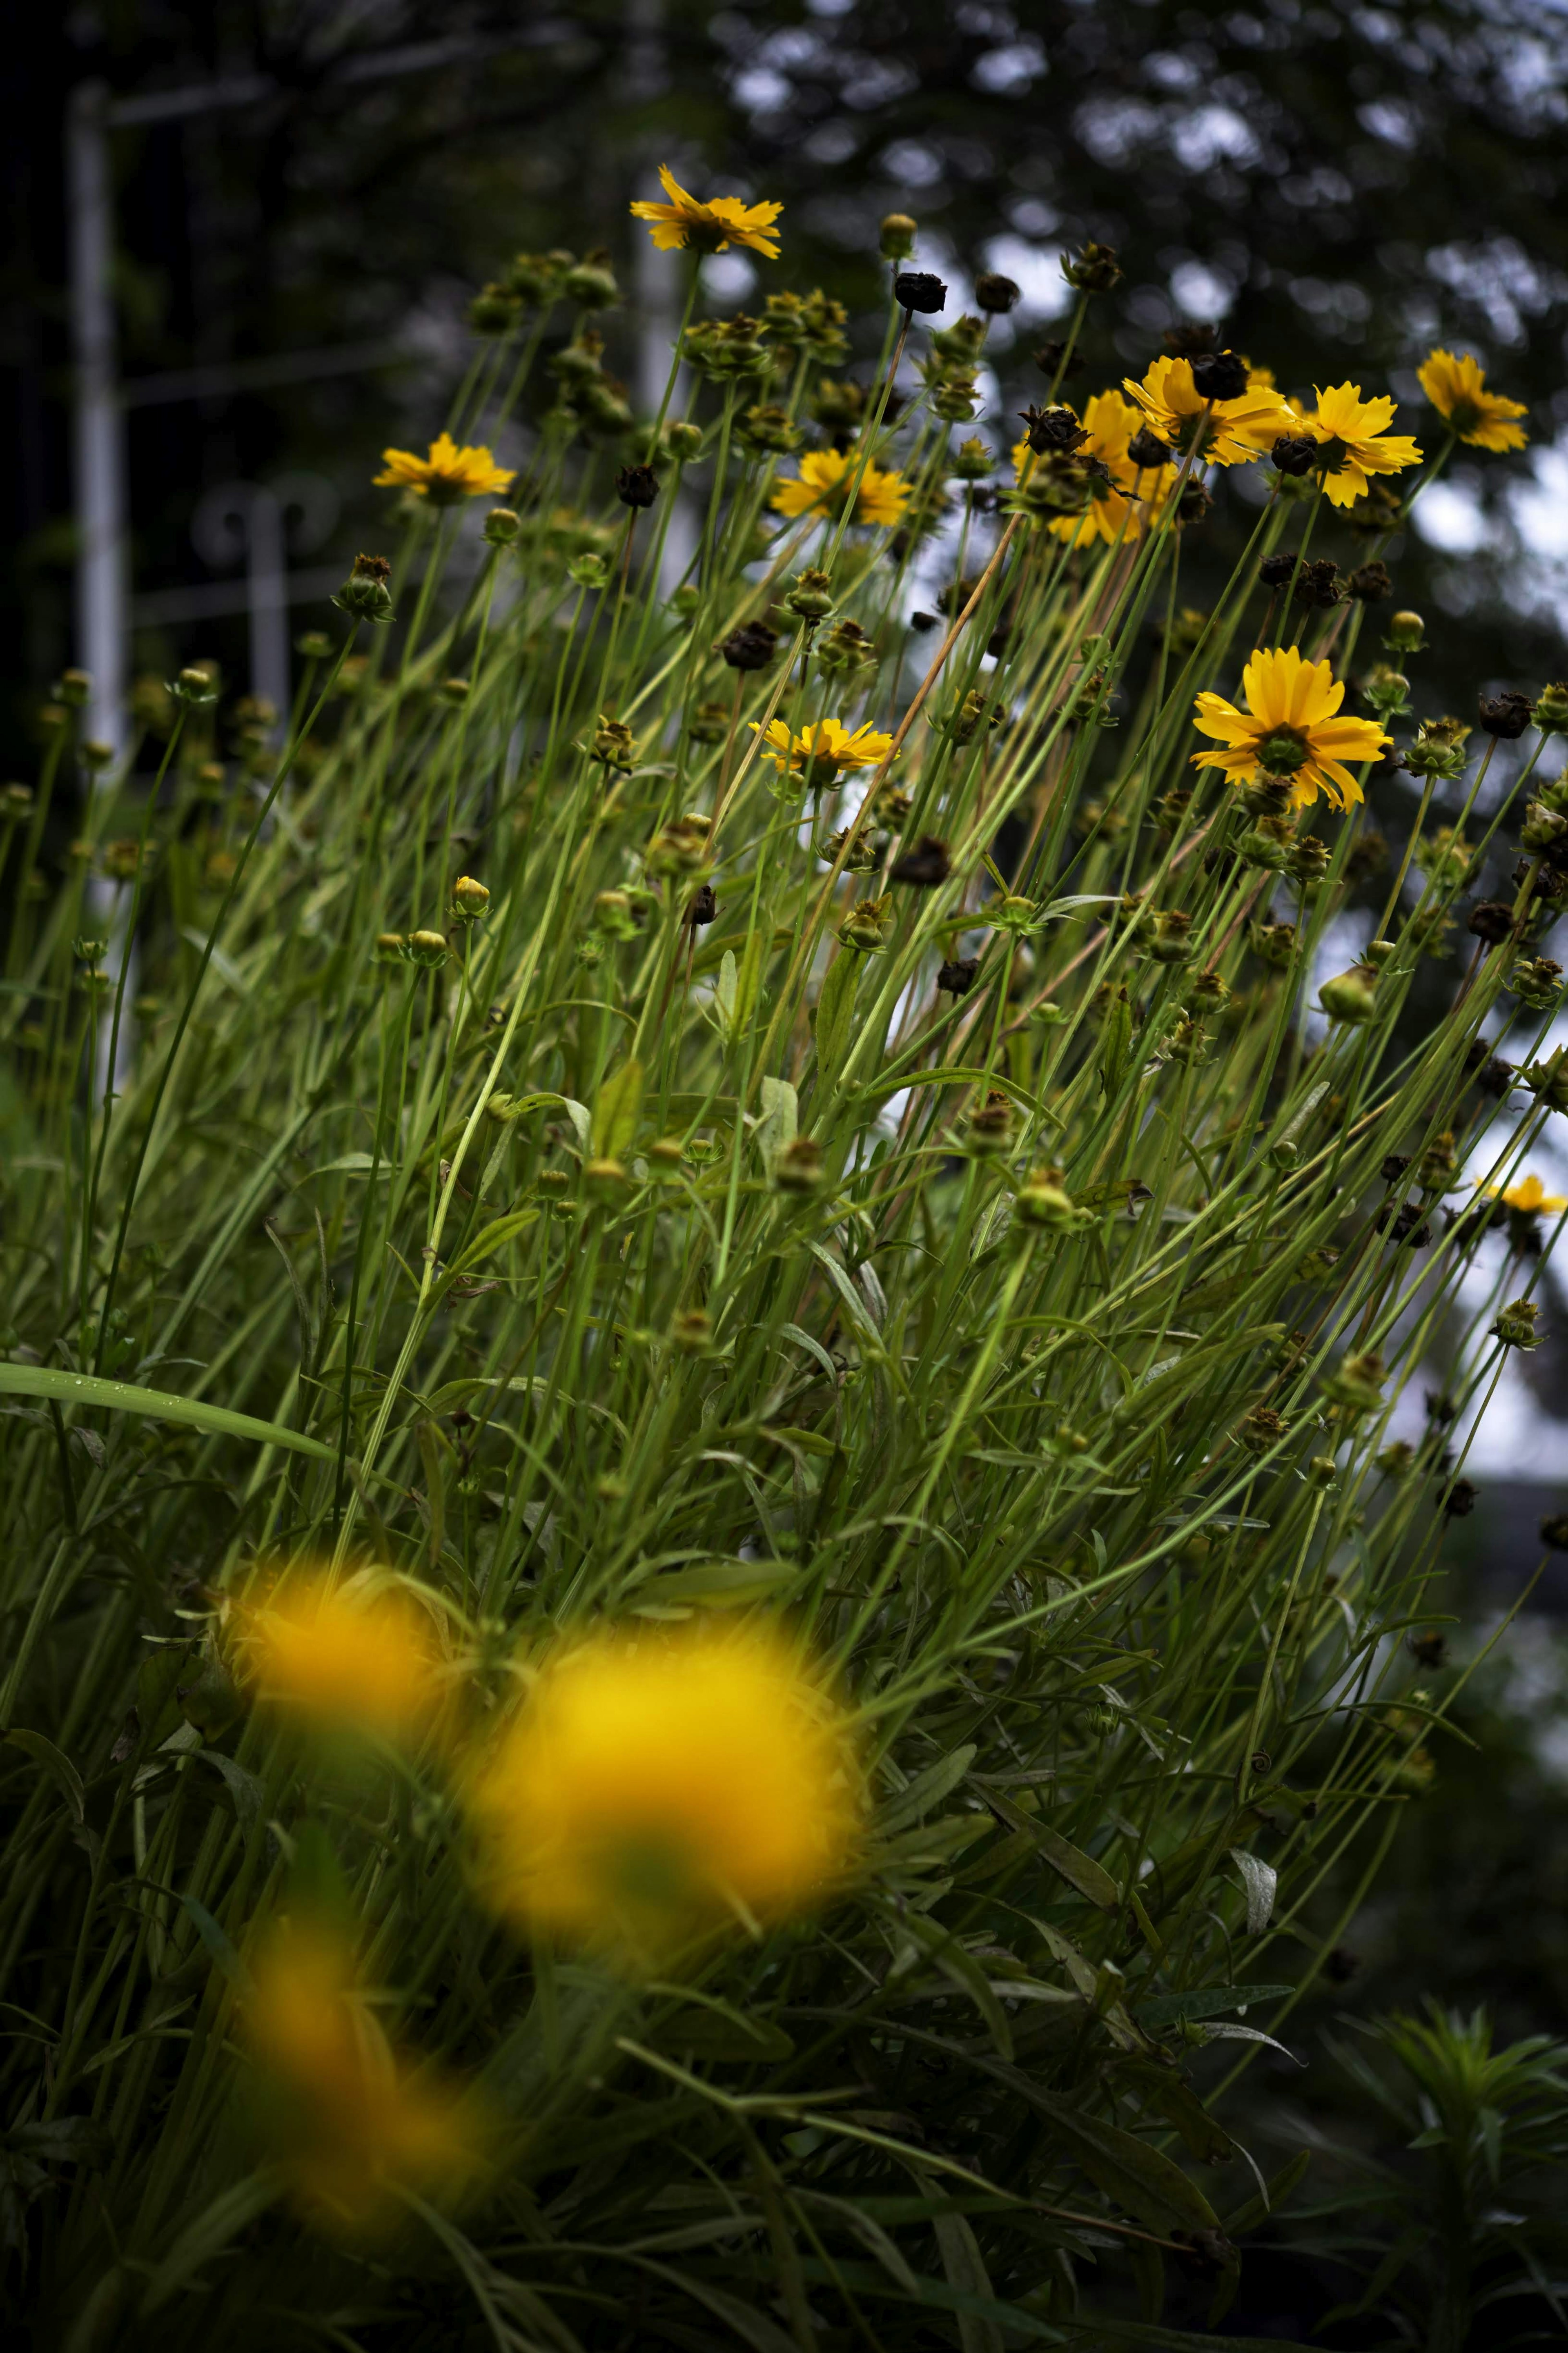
(1118, 506)
(1356, 440)
(1238, 429)
(657, 1786)
(708, 227)
(447, 476)
(347, 1660)
(1289, 730)
(822, 487)
(1530, 1195)
(819, 750)
(353, 2123)
(1456, 388)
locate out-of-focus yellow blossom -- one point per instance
(1529, 1194)
(659, 1786)
(1356, 441)
(353, 2122)
(1117, 508)
(822, 487)
(710, 227)
(1456, 384)
(1237, 431)
(820, 749)
(1289, 730)
(344, 1658)
(448, 476)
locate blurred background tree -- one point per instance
(1337, 184)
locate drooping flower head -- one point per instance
(345, 1659)
(1355, 441)
(1121, 499)
(710, 227)
(1456, 384)
(1236, 430)
(823, 484)
(817, 752)
(659, 1785)
(448, 476)
(1290, 730)
(353, 2122)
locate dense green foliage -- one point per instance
(1004, 1278)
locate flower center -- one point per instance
(1282, 750)
(1331, 455)
(1464, 415)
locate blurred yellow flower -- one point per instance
(1288, 730)
(822, 487)
(1456, 388)
(657, 1786)
(1356, 440)
(710, 227)
(819, 750)
(1118, 506)
(447, 476)
(1529, 1194)
(344, 1658)
(353, 2123)
(1238, 429)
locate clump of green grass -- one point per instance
(595, 1144)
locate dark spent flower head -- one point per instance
(957, 977)
(920, 289)
(1275, 571)
(636, 486)
(1093, 269)
(1219, 375)
(1055, 360)
(1055, 427)
(1492, 921)
(1146, 450)
(995, 293)
(1195, 504)
(750, 646)
(704, 906)
(1294, 453)
(1505, 715)
(1370, 583)
(1189, 342)
(923, 867)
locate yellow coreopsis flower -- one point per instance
(710, 227)
(1529, 1196)
(659, 1786)
(345, 1659)
(1117, 508)
(1238, 429)
(1356, 441)
(354, 2125)
(1289, 730)
(1456, 384)
(448, 476)
(819, 751)
(822, 487)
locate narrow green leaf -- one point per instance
(161, 1405)
(56, 1762)
(836, 1015)
(617, 1112)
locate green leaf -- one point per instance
(836, 1015)
(928, 1789)
(779, 1124)
(492, 1237)
(1204, 2002)
(56, 1762)
(208, 2235)
(1140, 2177)
(61, 2140)
(717, 1584)
(617, 1112)
(249, 1795)
(161, 1405)
(1079, 1870)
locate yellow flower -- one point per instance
(1530, 1195)
(822, 487)
(1238, 429)
(1288, 730)
(353, 2123)
(822, 748)
(345, 1659)
(657, 1786)
(1456, 388)
(1353, 432)
(709, 227)
(1117, 508)
(447, 476)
